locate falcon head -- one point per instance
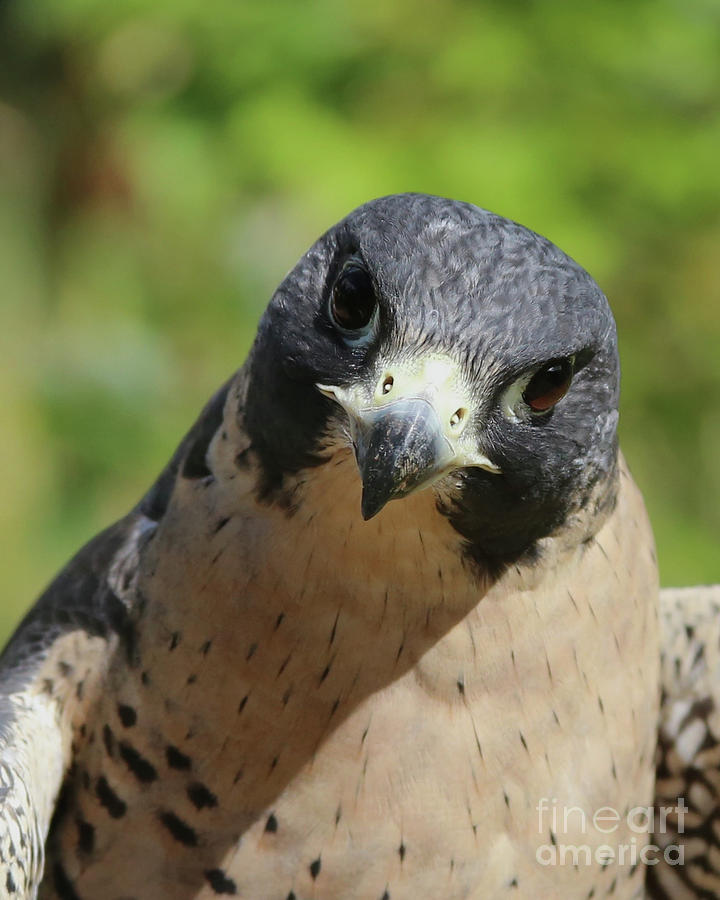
(456, 351)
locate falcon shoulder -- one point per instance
(52, 670)
(48, 675)
(689, 743)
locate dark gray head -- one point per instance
(459, 349)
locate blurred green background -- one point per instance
(162, 165)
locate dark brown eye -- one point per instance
(549, 385)
(353, 300)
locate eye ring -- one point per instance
(353, 306)
(548, 385)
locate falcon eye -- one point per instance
(549, 385)
(353, 299)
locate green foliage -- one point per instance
(163, 164)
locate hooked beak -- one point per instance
(411, 431)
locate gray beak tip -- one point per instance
(371, 505)
(400, 448)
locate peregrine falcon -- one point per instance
(388, 614)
